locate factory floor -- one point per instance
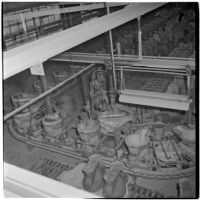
(17, 153)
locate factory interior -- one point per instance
(99, 99)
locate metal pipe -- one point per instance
(47, 98)
(23, 23)
(134, 56)
(159, 175)
(148, 61)
(149, 71)
(118, 46)
(189, 114)
(139, 39)
(121, 78)
(188, 69)
(152, 69)
(84, 90)
(53, 148)
(9, 115)
(111, 51)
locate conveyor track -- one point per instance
(162, 175)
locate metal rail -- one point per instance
(58, 11)
(128, 60)
(111, 51)
(159, 175)
(9, 115)
(57, 149)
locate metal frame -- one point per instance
(155, 99)
(128, 60)
(57, 11)
(23, 57)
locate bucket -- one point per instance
(111, 121)
(135, 151)
(23, 120)
(21, 98)
(135, 144)
(53, 125)
(89, 131)
(60, 76)
(158, 130)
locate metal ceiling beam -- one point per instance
(58, 11)
(128, 60)
(23, 57)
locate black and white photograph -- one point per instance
(100, 99)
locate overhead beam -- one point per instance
(23, 57)
(128, 60)
(58, 11)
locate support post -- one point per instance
(47, 98)
(70, 17)
(118, 46)
(188, 69)
(24, 24)
(83, 87)
(35, 26)
(39, 70)
(111, 50)
(139, 39)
